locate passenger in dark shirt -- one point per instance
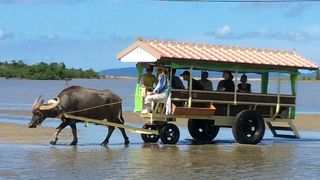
(176, 81)
(227, 84)
(196, 85)
(244, 87)
(177, 84)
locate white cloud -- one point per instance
(290, 35)
(50, 37)
(5, 35)
(1, 33)
(306, 34)
(296, 10)
(288, 10)
(313, 32)
(223, 31)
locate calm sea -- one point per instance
(20, 94)
(273, 158)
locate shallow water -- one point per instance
(20, 94)
(221, 159)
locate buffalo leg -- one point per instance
(56, 134)
(110, 131)
(125, 137)
(74, 133)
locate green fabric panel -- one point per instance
(138, 100)
(264, 82)
(139, 71)
(175, 65)
(293, 78)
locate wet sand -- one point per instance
(20, 134)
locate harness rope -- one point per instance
(86, 109)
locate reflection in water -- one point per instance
(222, 160)
(153, 161)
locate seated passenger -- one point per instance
(195, 84)
(177, 84)
(160, 92)
(176, 81)
(148, 79)
(205, 82)
(227, 84)
(244, 87)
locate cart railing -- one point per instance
(229, 97)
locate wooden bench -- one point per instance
(193, 111)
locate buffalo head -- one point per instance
(41, 111)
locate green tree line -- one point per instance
(43, 71)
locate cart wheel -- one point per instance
(248, 127)
(169, 134)
(150, 138)
(202, 130)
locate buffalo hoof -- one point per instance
(73, 143)
(126, 142)
(54, 140)
(104, 144)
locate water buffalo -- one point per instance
(80, 101)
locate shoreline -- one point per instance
(304, 122)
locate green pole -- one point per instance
(293, 79)
(264, 82)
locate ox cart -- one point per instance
(245, 113)
(206, 111)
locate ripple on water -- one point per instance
(277, 158)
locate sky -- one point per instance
(90, 33)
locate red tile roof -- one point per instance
(218, 53)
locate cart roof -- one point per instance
(148, 50)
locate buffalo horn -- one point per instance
(51, 105)
(35, 103)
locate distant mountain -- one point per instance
(309, 74)
(129, 72)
